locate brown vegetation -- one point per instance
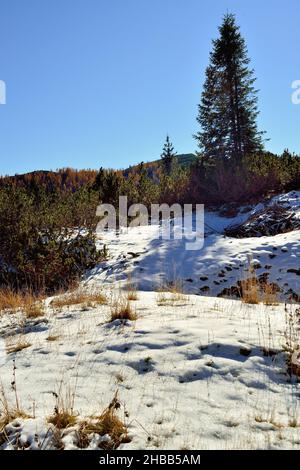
(77, 298)
(121, 309)
(26, 302)
(108, 423)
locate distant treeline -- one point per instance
(65, 179)
(202, 181)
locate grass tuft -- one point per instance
(121, 309)
(16, 344)
(108, 423)
(62, 419)
(33, 308)
(63, 415)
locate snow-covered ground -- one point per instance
(152, 262)
(191, 374)
(192, 371)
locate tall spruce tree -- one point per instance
(168, 156)
(228, 108)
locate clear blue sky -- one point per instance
(95, 83)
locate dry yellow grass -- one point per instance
(171, 298)
(131, 289)
(62, 419)
(255, 290)
(178, 297)
(250, 290)
(29, 304)
(269, 295)
(79, 297)
(250, 287)
(16, 344)
(8, 413)
(161, 298)
(121, 309)
(176, 286)
(10, 300)
(63, 415)
(53, 337)
(132, 295)
(171, 293)
(33, 308)
(108, 423)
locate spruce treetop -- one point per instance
(228, 109)
(168, 156)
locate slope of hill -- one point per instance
(185, 371)
(153, 262)
(184, 160)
